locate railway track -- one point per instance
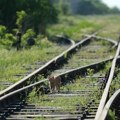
(79, 96)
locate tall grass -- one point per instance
(74, 27)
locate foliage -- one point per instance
(43, 43)
(90, 71)
(20, 19)
(6, 39)
(72, 27)
(115, 10)
(63, 6)
(111, 115)
(85, 7)
(2, 31)
(39, 13)
(92, 7)
(28, 34)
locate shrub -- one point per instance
(2, 31)
(6, 39)
(29, 33)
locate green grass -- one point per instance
(65, 103)
(112, 27)
(115, 85)
(74, 27)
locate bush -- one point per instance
(29, 33)
(6, 39)
(43, 42)
(2, 31)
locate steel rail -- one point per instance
(106, 90)
(44, 68)
(109, 104)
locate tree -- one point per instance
(115, 10)
(39, 13)
(21, 15)
(87, 7)
(8, 12)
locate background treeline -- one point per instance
(84, 7)
(31, 17)
(38, 13)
